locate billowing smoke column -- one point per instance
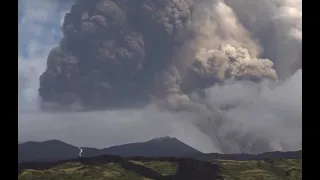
(128, 53)
(278, 25)
(119, 52)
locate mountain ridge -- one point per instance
(47, 150)
(55, 150)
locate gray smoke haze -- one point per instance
(278, 25)
(271, 117)
(239, 114)
(102, 129)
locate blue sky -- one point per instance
(39, 31)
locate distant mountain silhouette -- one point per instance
(164, 146)
(57, 150)
(51, 150)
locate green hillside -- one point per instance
(286, 169)
(78, 171)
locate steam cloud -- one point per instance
(228, 68)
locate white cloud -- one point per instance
(38, 31)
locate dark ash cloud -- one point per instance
(202, 65)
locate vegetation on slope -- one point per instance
(165, 168)
(79, 171)
(283, 169)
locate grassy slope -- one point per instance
(285, 169)
(230, 170)
(78, 171)
(165, 168)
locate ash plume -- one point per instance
(122, 50)
(183, 56)
(278, 25)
